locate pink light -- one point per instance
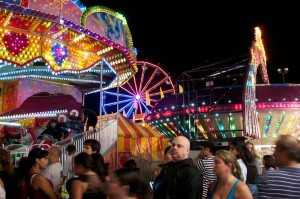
(137, 97)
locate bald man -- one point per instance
(179, 178)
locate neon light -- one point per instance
(157, 129)
(201, 129)
(144, 105)
(232, 126)
(96, 91)
(174, 127)
(221, 127)
(130, 111)
(59, 53)
(116, 94)
(38, 114)
(10, 124)
(115, 103)
(149, 80)
(278, 125)
(127, 105)
(166, 133)
(289, 125)
(132, 93)
(49, 77)
(267, 125)
(170, 130)
(211, 129)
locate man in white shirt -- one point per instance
(54, 171)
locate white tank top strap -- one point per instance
(31, 179)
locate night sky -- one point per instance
(182, 35)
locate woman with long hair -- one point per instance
(37, 185)
(229, 184)
(243, 155)
(88, 184)
(256, 159)
(99, 166)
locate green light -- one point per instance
(267, 125)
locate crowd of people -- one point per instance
(41, 175)
(231, 173)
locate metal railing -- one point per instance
(77, 140)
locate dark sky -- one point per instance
(182, 35)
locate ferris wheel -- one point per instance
(137, 97)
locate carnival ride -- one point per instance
(55, 51)
(53, 54)
(222, 103)
(139, 94)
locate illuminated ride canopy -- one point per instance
(63, 42)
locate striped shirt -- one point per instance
(282, 183)
(205, 166)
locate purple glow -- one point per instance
(137, 97)
(59, 53)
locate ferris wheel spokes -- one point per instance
(144, 68)
(134, 80)
(124, 107)
(140, 93)
(157, 84)
(115, 103)
(145, 106)
(148, 82)
(116, 94)
(133, 94)
(130, 111)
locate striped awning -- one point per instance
(140, 141)
(127, 128)
(148, 148)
